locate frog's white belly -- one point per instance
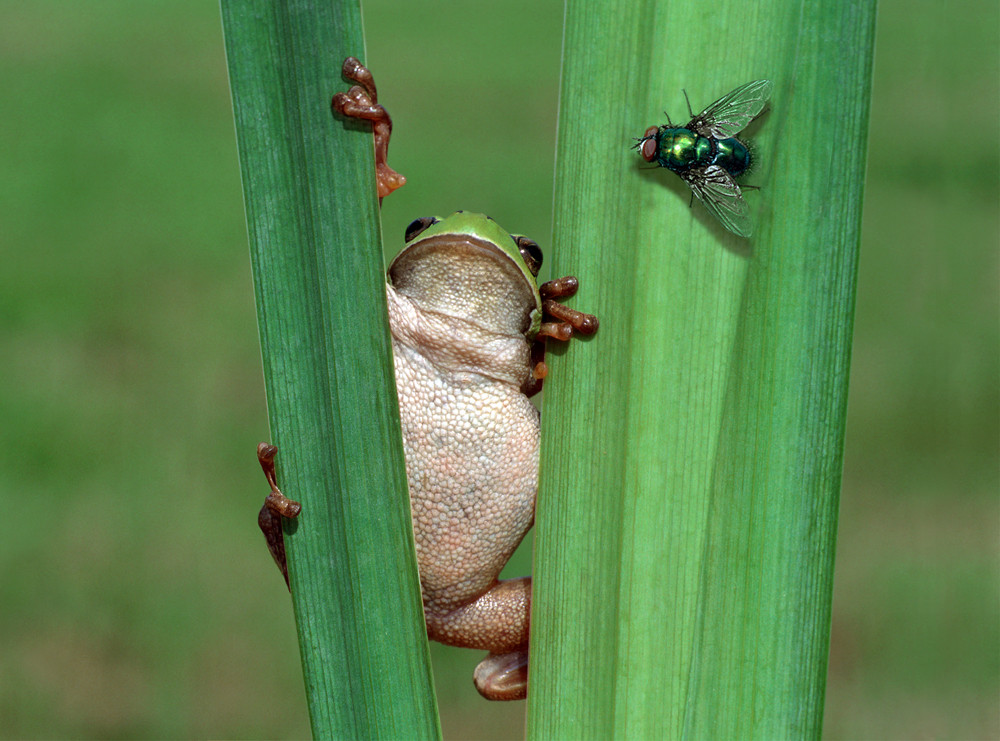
(471, 449)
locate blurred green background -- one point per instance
(138, 598)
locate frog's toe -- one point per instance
(503, 676)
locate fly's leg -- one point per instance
(361, 101)
(276, 506)
(688, 101)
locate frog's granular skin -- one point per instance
(471, 441)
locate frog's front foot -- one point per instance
(276, 506)
(558, 322)
(567, 320)
(503, 676)
(361, 101)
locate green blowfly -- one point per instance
(707, 155)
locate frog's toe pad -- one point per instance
(503, 676)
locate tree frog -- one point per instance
(467, 321)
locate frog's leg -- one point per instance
(567, 322)
(498, 622)
(276, 506)
(361, 101)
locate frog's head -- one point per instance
(467, 266)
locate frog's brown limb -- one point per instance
(561, 331)
(354, 71)
(276, 506)
(580, 322)
(559, 288)
(568, 321)
(361, 101)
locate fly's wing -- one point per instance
(730, 114)
(722, 196)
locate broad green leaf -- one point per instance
(692, 449)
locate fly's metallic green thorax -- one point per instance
(707, 155)
(681, 149)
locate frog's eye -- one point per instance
(418, 225)
(531, 253)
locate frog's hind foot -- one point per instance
(503, 676)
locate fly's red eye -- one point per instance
(649, 146)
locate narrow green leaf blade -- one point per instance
(692, 450)
(318, 273)
(767, 575)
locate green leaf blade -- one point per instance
(319, 280)
(692, 450)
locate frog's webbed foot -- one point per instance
(558, 322)
(361, 101)
(503, 676)
(276, 506)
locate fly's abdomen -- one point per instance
(681, 149)
(733, 156)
